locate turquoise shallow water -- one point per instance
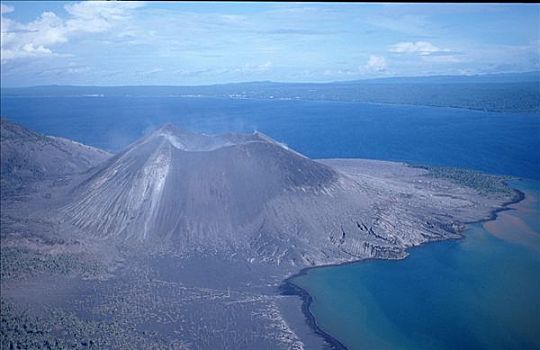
(482, 292)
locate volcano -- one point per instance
(234, 192)
(249, 196)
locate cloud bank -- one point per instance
(38, 37)
(376, 64)
(422, 48)
(192, 43)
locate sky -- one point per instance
(197, 43)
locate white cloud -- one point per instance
(422, 48)
(442, 59)
(97, 16)
(37, 38)
(244, 69)
(233, 19)
(78, 70)
(255, 68)
(31, 49)
(376, 64)
(265, 66)
(153, 71)
(5, 9)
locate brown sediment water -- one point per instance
(528, 203)
(512, 227)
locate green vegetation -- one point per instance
(18, 263)
(62, 330)
(136, 310)
(483, 183)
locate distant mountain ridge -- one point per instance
(522, 77)
(510, 92)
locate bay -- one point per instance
(477, 293)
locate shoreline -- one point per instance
(286, 99)
(289, 288)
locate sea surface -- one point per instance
(478, 293)
(482, 292)
(500, 143)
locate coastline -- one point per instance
(518, 197)
(289, 288)
(402, 104)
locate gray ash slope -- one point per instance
(28, 157)
(252, 198)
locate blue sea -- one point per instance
(477, 293)
(501, 143)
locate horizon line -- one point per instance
(285, 82)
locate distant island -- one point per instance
(509, 92)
